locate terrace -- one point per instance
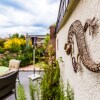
(42, 58)
(24, 80)
(44, 63)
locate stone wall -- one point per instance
(86, 84)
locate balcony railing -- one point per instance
(62, 10)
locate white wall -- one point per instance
(86, 84)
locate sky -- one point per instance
(27, 16)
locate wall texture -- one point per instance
(86, 84)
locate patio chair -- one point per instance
(8, 83)
(14, 65)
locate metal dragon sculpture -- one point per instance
(78, 30)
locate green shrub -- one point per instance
(15, 44)
(5, 60)
(2, 50)
(26, 57)
(2, 42)
(32, 89)
(46, 41)
(41, 64)
(50, 85)
(39, 53)
(21, 92)
(70, 92)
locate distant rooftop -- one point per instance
(39, 36)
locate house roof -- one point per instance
(38, 36)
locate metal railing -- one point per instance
(62, 10)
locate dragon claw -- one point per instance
(68, 48)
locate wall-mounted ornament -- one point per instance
(78, 30)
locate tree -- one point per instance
(16, 35)
(22, 36)
(46, 40)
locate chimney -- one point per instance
(52, 32)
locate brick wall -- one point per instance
(52, 32)
(52, 38)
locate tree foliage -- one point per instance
(22, 36)
(21, 92)
(16, 35)
(46, 40)
(14, 44)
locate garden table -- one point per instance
(3, 69)
(34, 76)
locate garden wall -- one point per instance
(86, 84)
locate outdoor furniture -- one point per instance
(3, 70)
(14, 64)
(34, 76)
(36, 81)
(8, 83)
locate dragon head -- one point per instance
(92, 25)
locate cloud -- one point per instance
(23, 30)
(23, 16)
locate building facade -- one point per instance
(37, 39)
(85, 82)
